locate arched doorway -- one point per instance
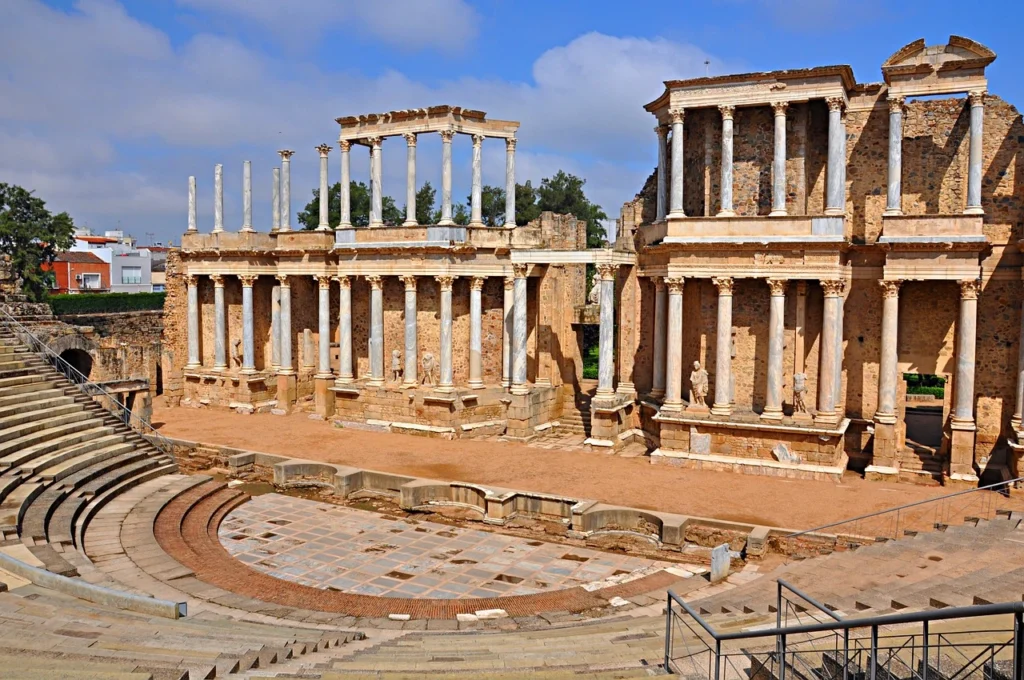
(79, 359)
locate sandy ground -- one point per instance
(794, 504)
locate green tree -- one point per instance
(563, 194)
(359, 202)
(389, 212)
(425, 199)
(460, 214)
(31, 236)
(527, 209)
(492, 205)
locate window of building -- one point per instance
(158, 288)
(91, 282)
(131, 275)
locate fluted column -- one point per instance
(446, 382)
(660, 312)
(835, 190)
(779, 161)
(833, 290)
(776, 341)
(476, 286)
(325, 190)
(193, 222)
(894, 193)
(275, 202)
(519, 385)
(727, 112)
(723, 348)
(376, 330)
(510, 182)
(192, 286)
(323, 326)
(674, 350)
(345, 147)
(676, 198)
(286, 367)
(248, 334)
(606, 342)
(411, 350)
(966, 335)
(275, 328)
(977, 101)
(662, 132)
(888, 362)
(218, 198)
(286, 189)
(476, 194)
(345, 375)
(220, 326)
(507, 322)
(446, 176)
(376, 195)
(410, 180)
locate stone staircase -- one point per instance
(576, 413)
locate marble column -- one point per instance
(1017, 421)
(324, 327)
(275, 202)
(410, 180)
(888, 362)
(286, 189)
(409, 375)
(193, 222)
(345, 147)
(218, 198)
(376, 195)
(446, 177)
(476, 194)
(674, 349)
(220, 325)
(192, 285)
(838, 381)
(376, 331)
(826, 411)
(247, 196)
(835, 189)
(660, 312)
(776, 342)
(275, 327)
(345, 375)
(510, 182)
(977, 101)
(676, 193)
(779, 161)
(325, 190)
(727, 112)
(507, 322)
(966, 340)
(894, 193)
(248, 333)
(519, 385)
(662, 132)
(723, 348)
(287, 367)
(606, 347)
(476, 286)
(446, 382)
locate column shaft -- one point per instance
(1018, 412)
(247, 196)
(446, 382)
(510, 182)
(838, 380)
(674, 350)
(776, 340)
(219, 325)
(218, 198)
(324, 327)
(977, 101)
(894, 193)
(726, 190)
(410, 180)
(507, 322)
(376, 197)
(723, 349)
(966, 335)
(676, 198)
(275, 202)
(346, 182)
(475, 333)
(193, 321)
(888, 362)
(835, 190)
(660, 312)
(325, 190)
(829, 355)
(411, 350)
(519, 332)
(286, 189)
(606, 347)
(376, 331)
(286, 325)
(662, 132)
(344, 330)
(275, 327)
(779, 162)
(476, 195)
(248, 334)
(446, 176)
(193, 222)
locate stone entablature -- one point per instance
(917, 69)
(417, 121)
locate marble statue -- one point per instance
(236, 352)
(799, 387)
(594, 296)
(396, 365)
(429, 370)
(698, 385)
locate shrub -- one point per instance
(103, 303)
(922, 389)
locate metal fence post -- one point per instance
(782, 656)
(874, 651)
(1018, 646)
(924, 670)
(668, 632)
(846, 654)
(718, 658)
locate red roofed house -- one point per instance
(78, 271)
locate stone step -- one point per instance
(36, 402)
(24, 434)
(17, 395)
(55, 439)
(21, 381)
(10, 423)
(68, 525)
(59, 464)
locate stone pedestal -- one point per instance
(324, 397)
(961, 452)
(286, 391)
(885, 457)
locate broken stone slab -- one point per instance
(484, 614)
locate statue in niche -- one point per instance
(698, 386)
(594, 296)
(396, 365)
(799, 388)
(236, 352)
(429, 370)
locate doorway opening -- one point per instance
(79, 360)
(925, 408)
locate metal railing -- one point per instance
(982, 503)
(870, 648)
(91, 389)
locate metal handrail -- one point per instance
(991, 487)
(88, 387)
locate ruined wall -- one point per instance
(174, 338)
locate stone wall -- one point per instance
(123, 345)
(174, 343)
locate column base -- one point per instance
(247, 370)
(974, 210)
(375, 225)
(892, 212)
(656, 394)
(475, 224)
(885, 418)
(323, 376)
(542, 382)
(519, 390)
(604, 392)
(322, 227)
(344, 225)
(826, 419)
(476, 384)
(778, 213)
(721, 410)
(247, 230)
(286, 371)
(626, 388)
(409, 384)
(217, 231)
(832, 212)
(506, 383)
(675, 215)
(344, 380)
(192, 367)
(445, 222)
(375, 382)
(672, 406)
(410, 223)
(726, 213)
(220, 367)
(774, 415)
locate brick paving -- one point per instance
(327, 546)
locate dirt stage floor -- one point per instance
(795, 504)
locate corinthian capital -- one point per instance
(833, 287)
(410, 281)
(324, 149)
(519, 271)
(777, 286)
(344, 282)
(977, 97)
(724, 284)
(445, 282)
(780, 108)
(835, 103)
(727, 111)
(344, 145)
(890, 287)
(323, 281)
(510, 144)
(191, 280)
(286, 154)
(607, 271)
(674, 284)
(410, 138)
(970, 289)
(375, 281)
(896, 104)
(446, 135)
(247, 280)
(677, 115)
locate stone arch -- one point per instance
(77, 350)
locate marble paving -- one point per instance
(356, 551)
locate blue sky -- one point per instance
(107, 107)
